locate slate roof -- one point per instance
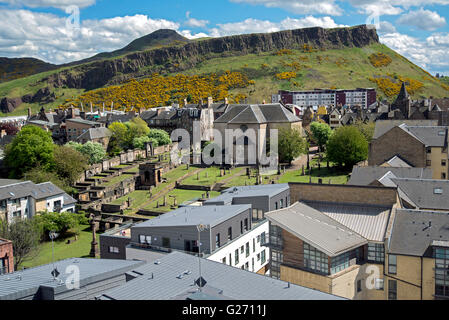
(260, 113)
(383, 126)
(414, 231)
(363, 176)
(429, 135)
(82, 121)
(27, 188)
(368, 221)
(192, 216)
(398, 162)
(24, 283)
(422, 192)
(229, 194)
(95, 133)
(173, 279)
(316, 228)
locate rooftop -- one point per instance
(425, 193)
(21, 284)
(257, 113)
(316, 228)
(23, 189)
(362, 176)
(83, 121)
(267, 190)
(383, 126)
(414, 231)
(192, 216)
(173, 279)
(95, 133)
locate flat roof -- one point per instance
(192, 216)
(269, 190)
(172, 278)
(24, 283)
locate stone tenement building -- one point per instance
(6, 257)
(422, 146)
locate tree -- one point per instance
(94, 151)
(137, 128)
(10, 129)
(161, 136)
(321, 133)
(347, 146)
(367, 129)
(25, 236)
(60, 222)
(290, 144)
(139, 142)
(119, 135)
(32, 146)
(40, 175)
(69, 163)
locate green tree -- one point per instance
(119, 136)
(94, 151)
(161, 136)
(69, 163)
(60, 222)
(40, 175)
(347, 146)
(25, 236)
(139, 142)
(137, 128)
(32, 146)
(290, 144)
(367, 129)
(321, 133)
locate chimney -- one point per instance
(3, 133)
(29, 113)
(264, 102)
(210, 100)
(91, 109)
(226, 101)
(159, 110)
(83, 115)
(72, 113)
(185, 102)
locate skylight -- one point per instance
(438, 191)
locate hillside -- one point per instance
(15, 68)
(295, 59)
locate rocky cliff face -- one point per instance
(177, 58)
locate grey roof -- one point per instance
(68, 200)
(383, 126)
(368, 221)
(192, 215)
(429, 135)
(82, 121)
(422, 192)
(173, 278)
(398, 162)
(147, 115)
(27, 188)
(316, 228)
(268, 190)
(363, 176)
(414, 231)
(6, 182)
(259, 113)
(25, 283)
(95, 133)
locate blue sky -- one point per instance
(43, 29)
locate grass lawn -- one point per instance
(137, 197)
(181, 196)
(209, 176)
(77, 249)
(116, 180)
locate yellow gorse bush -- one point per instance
(379, 59)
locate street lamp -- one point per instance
(53, 235)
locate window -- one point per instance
(246, 224)
(262, 256)
(379, 284)
(443, 175)
(359, 285)
(276, 205)
(281, 203)
(262, 238)
(144, 239)
(241, 226)
(392, 290)
(229, 233)
(258, 238)
(242, 249)
(254, 244)
(258, 257)
(236, 258)
(252, 264)
(166, 242)
(217, 241)
(441, 272)
(443, 163)
(392, 264)
(247, 266)
(223, 260)
(247, 249)
(428, 163)
(376, 252)
(113, 250)
(315, 260)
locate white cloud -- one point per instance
(328, 7)
(195, 23)
(262, 26)
(45, 36)
(62, 4)
(386, 27)
(423, 19)
(430, 54)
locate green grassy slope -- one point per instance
(342, 68)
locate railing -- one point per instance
(161, 249)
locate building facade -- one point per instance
(6, 257)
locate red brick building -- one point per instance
(6, 257)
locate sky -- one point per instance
(60, 31)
